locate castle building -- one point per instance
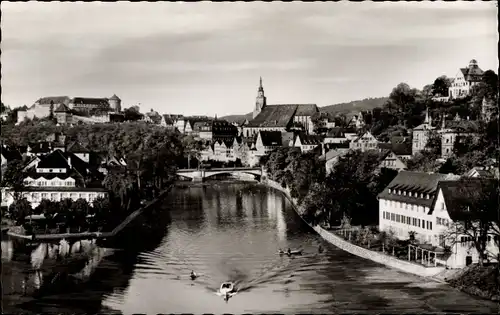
(278, 117)
(44, 106)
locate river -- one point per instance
(226, 232)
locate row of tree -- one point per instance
(77, 215)
(349, 190)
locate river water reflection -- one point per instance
(231, 232)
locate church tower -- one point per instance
(260, 102)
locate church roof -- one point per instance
(306, 110)
(114, 97)
(274, 116)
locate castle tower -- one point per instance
(260, 102)
(115, 103)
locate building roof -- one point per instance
(459, 195)
(336, 132)
(271, 138)
(61, 108)
(306, 109)
(417, 183)
(310, 139)
(54, 99)
(397, 148)
(77, 147)
(279, 116)
(168, 120)
(332, 154)
(55, 159)
(115, 98)
(468, 126)
(472, 73)
(90, 100)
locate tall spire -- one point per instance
(260, 85)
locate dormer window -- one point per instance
(390, 190)
(404, 193)
(410, 194)
(428, 196)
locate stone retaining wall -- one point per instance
(378, 257)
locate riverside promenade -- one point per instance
(433, 273)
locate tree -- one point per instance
(401, 101)
(78, 214)
(441, 86)
(19, 210)
(474, 212)
(51, 113)
(132, 114)
(13, 177)
(49, 209)
(101, 209)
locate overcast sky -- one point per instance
(206, 58)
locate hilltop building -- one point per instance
(465, 80)
(44, 106)
(278, 117)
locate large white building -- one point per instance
(465, 80)
(424, 204)
(58, 175)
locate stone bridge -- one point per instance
(201, 174)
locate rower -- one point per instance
(193, 275)
(289, 251)
(320, 249)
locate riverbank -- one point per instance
(473, 280)
(381, 258)
(18, 231)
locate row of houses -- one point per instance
(54, 169)
(428, 205)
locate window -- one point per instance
(392, 216)
(430, 225)
(418, 224)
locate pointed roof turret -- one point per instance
(261, 88)
(428, 119)
(114, 97)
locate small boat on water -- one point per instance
(226, 288)
(193, 275)
(291, 252)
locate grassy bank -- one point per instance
(479, 281)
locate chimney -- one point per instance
(468, 117)
(69, 162)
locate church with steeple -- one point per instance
(280, 117)
(260, 102)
